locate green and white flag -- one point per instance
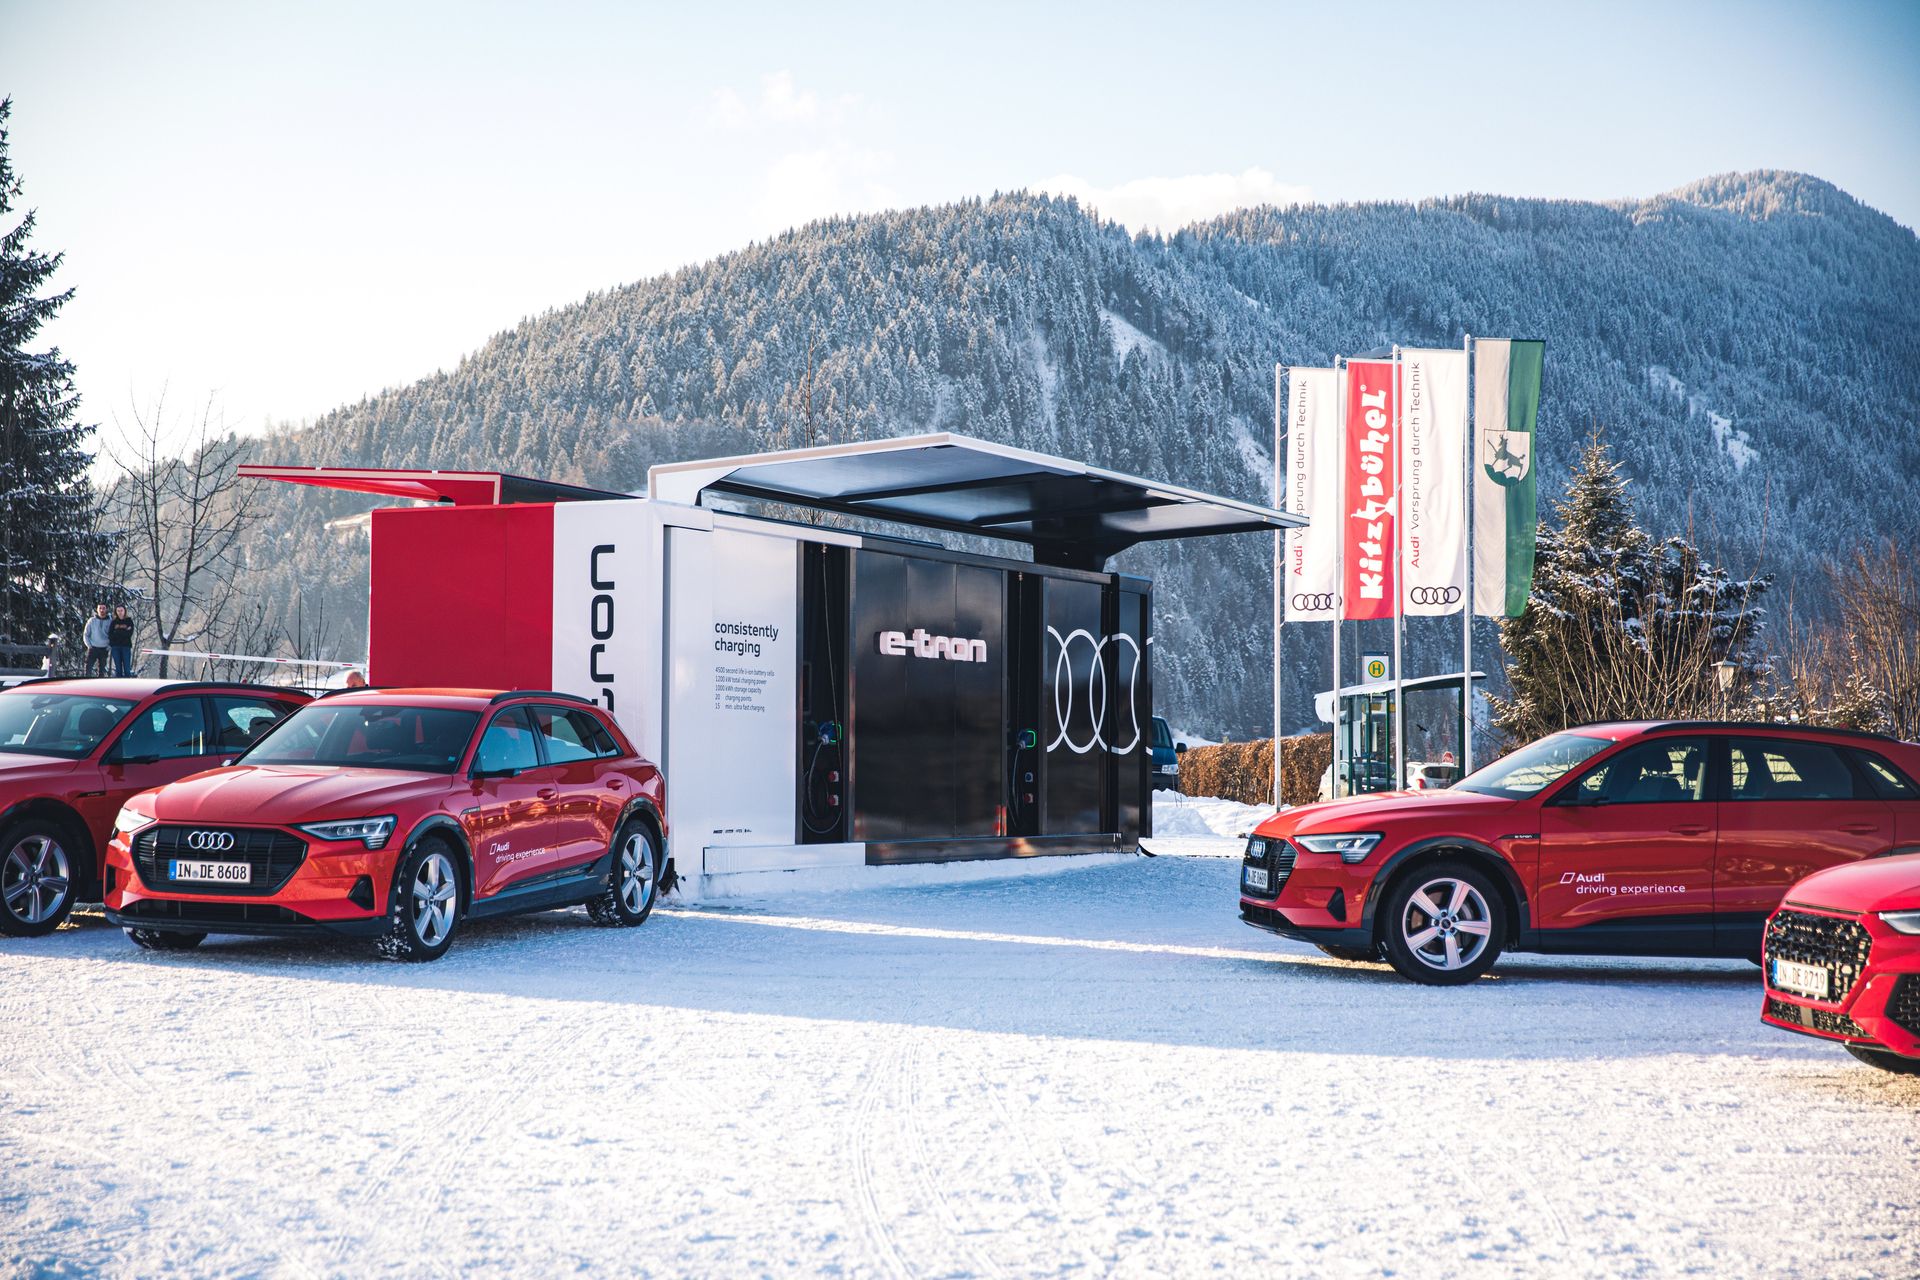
(1506, 399)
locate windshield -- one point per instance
(57, 724)
(1162, 736)
(1533, 766)
(416, 739)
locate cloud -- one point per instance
(1167, 204)
(840, 178)
(780, 103)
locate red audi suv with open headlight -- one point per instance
(1656, 839)
(394, 814)
(1843, 961)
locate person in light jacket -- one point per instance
(120, 641)
(95, 637)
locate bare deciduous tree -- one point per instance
(181, 520)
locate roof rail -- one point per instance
(1774, 725)
(540, 693)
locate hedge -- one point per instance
(1243, 771)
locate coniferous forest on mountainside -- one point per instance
(1745, 343)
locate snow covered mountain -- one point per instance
(1750, 343)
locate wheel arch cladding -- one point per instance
(642, 809)
(1506, 881)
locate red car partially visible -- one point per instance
(73, 751)
(396, 815)
(1843, 961)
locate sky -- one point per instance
(269, 210)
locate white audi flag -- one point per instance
(1312, 461)
(1433, 482)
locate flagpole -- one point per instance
(1339, 559)
(1399, 577)
(1280, 494)
(1466, 610)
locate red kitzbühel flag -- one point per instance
(1372, 478)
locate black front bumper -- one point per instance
(252, 919)
(1273, 922)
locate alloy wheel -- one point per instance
(36, 880)
(636, 873)
(1447, 924)
(436, 898)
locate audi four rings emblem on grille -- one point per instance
(1308, 600)
(210, 841)
(1433, 595)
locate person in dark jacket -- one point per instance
(120, 641)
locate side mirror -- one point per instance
(1179, 748)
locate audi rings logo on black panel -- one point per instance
(1433, 595)
(1313, 600)
(209, 841)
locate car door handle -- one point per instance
(614, 784)
(547, 793)
(1689, 829)
(1859, 828)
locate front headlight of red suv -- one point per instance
(130, 819)
(1351, 846)
(372, 832)
(1901, 921)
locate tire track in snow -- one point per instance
(911, 1104)
(885, 1066)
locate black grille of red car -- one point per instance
(1904, 1007)
(1276, 855)
(1825, 1021)
(163, 911)
(1839, 946)
(273, 857)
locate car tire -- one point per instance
(165, 939)
(38, 870)
(423, 911)
(1443, 924)
(1896, 1063)
(633, 885)
(1353, 955)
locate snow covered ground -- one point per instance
(1100, 1072)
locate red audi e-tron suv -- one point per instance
(1843, 961)
(72, 751)
(395, 814)
(1665, 839)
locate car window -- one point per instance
(1888, 782)
(1661, 771)
(507, 744)
(369, 736)
(591, 734)
(1534, 766)
(560, 736)
(1162, 735)
(57, 724)
(168, 730)
(1784, 769)
(239, 722)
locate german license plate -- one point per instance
(1808, 980)
(213, 872)
(1254, 877)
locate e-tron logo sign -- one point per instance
(600, 621)
(898, 644)
(209, 841)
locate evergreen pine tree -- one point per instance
(50, 553)
(1617, 626)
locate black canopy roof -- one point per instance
(1071, 514)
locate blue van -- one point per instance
(1166, 757)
